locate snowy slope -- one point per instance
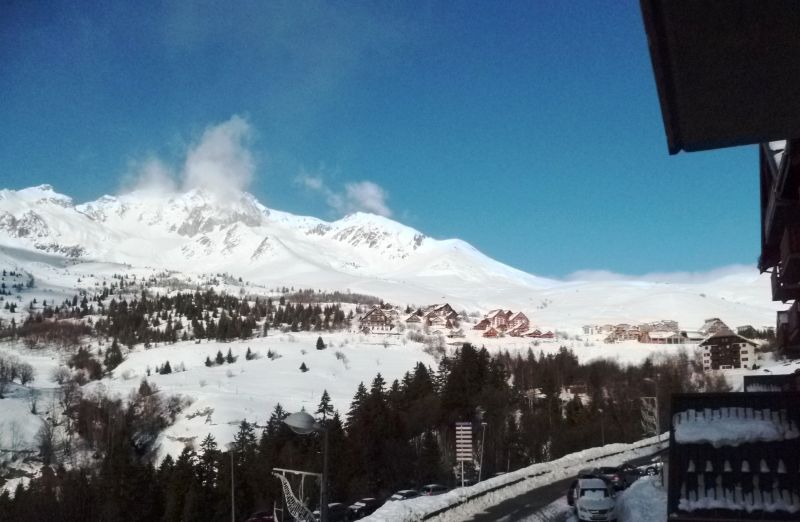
(197, 231)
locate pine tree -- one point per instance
(303, 368)
(209, 362)
(219, 359)
(325, 408)
(165, 369)
(113, 356)
(320, 343)
(230, 358)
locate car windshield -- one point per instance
(594, 493)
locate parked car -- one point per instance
(655, 466)
(431, 490)
(363, 507)
(595, 501)
(630, 473)
(616, 476)
(586, 474)
(404, 494)
(261, 516)
(337, 512)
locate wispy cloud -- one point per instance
(219, 162)
(366, 196)
(667, 277)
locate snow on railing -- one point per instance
(733, 426)
(460, 503)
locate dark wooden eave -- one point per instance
(727, 71)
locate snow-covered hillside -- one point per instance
(46, 233)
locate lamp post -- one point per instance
(658, 419)
(233, 501)
(303, 424)
(602, 428)
(483, 440)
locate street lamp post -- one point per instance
(602, 428)
(303, 424)
(233, 508)
(483, 440)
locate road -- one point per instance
(528, 505)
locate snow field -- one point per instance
(225, 395)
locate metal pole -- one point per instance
(462, 473)
(602, 431)
(658, 415)
(323, 511)
(233, 509)
(483, 440)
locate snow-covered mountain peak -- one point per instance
(38, 194)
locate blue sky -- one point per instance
(530, 129)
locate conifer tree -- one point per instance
(230, 358)
(219, 359)
(165, 369)
(320, 343)
(303, 368)
(209, 362)
(325, 408)
(113, 356)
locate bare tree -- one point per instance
(26, 373)
(45, 441)
(33, 400)
(60, 375)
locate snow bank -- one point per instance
(461, 503)
(644, 501)
(733, 426)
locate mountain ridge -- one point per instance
(201, 232)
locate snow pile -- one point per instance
(733, 426)
(455, 504)
(644, 501)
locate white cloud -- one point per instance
(368, 196)
(365, 196)
(150, 175)
(667, 277)
(220, 163)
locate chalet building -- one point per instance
(692, 337)
(483, 324)
(713, 325)
(537, 334)
(413, 319)
(519, 331)
(499, 318)
(588, 329)
(377, 320)
(725, 350)
(491, 332)
(519, 320)
(664, 325)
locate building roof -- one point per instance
(724, 333)
(727, 72)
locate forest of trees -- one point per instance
(394, 435)
(168, 319)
